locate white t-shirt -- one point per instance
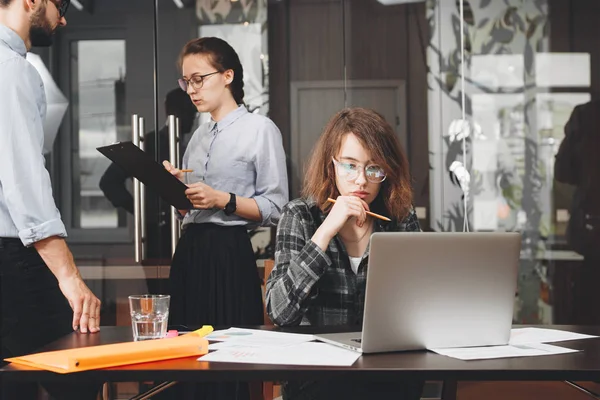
(354, 263)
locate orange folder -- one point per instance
(114, 355)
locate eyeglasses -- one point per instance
(197, 81)
(62, 6)
(349, 171)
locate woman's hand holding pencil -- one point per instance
(372, 214)
(346, 209)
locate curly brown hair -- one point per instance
(377, 136)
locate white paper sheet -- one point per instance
(542, 335)
(309, 353)
(479, 353)
(256, 338)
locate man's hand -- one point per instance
(85, 305)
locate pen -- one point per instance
(372, 214)
(187, 170)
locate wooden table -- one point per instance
(420, 365)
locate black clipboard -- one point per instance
(142, 166)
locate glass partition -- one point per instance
(98, 73)
(523, 75)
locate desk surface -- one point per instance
(580, 366)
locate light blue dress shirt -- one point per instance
(27, 208)
(241, 154)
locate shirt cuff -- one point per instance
(54, 227)
(265, 207)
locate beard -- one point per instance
(41, 32)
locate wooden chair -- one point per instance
(265, 390)
(270, 389)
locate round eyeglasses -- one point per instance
(350, 171)
(62, 6)
(196, 81)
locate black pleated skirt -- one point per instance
(214, 281)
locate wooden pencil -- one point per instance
(372, 214)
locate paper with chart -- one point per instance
(239, 337)
(517, 350)
(307, 353)
(543, 335)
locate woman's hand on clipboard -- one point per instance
(179, 174)
(174, 171)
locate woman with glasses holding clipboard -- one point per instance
(238, 180)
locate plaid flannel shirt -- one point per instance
(310, 286)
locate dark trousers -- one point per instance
(33, 313)
(586, 297)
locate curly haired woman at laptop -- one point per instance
(322, 248)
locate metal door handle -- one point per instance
(173, 124)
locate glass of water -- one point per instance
(149, 316)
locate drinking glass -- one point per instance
(149, 316)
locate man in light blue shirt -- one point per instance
(35, 262)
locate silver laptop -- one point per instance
(428, 290)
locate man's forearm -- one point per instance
(57, 256)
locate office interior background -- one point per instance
(528, 63)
